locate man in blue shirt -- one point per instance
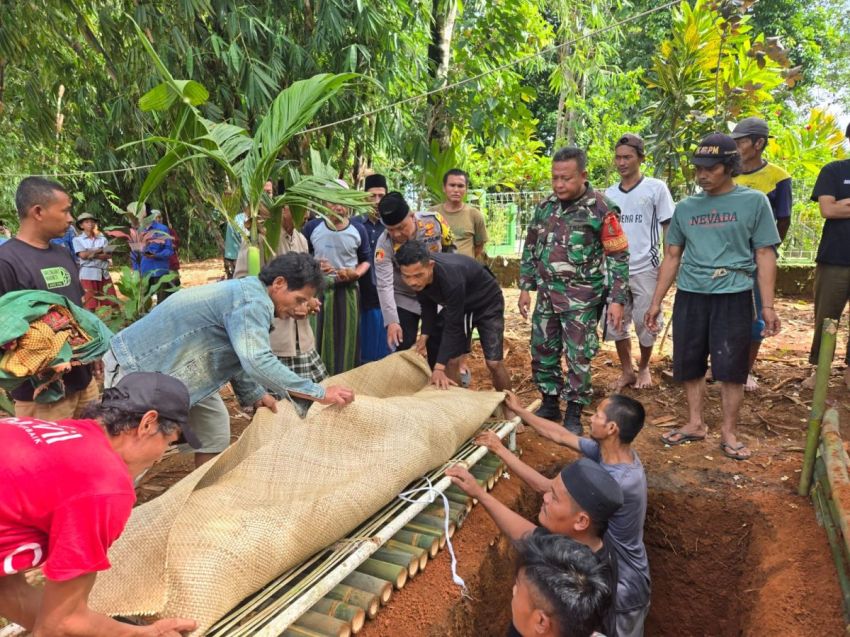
(219, 333)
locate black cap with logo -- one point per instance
(714, 149)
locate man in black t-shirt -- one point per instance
(470, 297)
(832, 274)
(31, 262)
(577, 503)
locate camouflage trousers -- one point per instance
(571, 334)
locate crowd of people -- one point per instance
(346, 290)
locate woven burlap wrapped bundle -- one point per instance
(286, 489)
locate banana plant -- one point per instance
(246, 161)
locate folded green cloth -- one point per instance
(19, 309)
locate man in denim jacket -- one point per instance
(208, 335)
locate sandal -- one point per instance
(683, 438)
(735, 452)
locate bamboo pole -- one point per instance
(394, 556)
(420, 554)
(428, 541)
(827, 351)
(456, 495)
(422, 529)
(456, 515)
(485, 474)
(369, 602)
(324, 624)
(300, 631)
(279, 623)
(434, 522)
(833, 455)
(375, 585)
(354, 615)
(393, 573)
(827, 513)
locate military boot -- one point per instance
(572, 418)
(550, 408)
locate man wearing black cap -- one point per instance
(646, 208)
(713, 236)
(832, 274)
(614, 426)
(751, 135)
(471, 299)
(577, 503)
(66, 494)
(373, 334)
(399, 306)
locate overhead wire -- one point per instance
(413, 98)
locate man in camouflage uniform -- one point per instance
(399, 306)
(573, 239)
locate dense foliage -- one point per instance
(72, 73)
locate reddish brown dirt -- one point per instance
(733, 549)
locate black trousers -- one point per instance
(409, 322)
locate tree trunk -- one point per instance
(444, 16)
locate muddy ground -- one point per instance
(733, 549)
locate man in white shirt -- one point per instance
(646, 208)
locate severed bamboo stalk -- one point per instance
(825, 355)
(487, 475)
(428, 541)
(827, 514)
(422, 529)
(835, 464)
(434, 522)
(369, 602)
(393, 573)
(393, 556)
(324, 624)
(375, 585)
(354, 615)
(420, 554)
(300, 631)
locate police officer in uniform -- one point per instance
(399, 306)
(575, 250)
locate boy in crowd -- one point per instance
(646, 207)
(615, 424)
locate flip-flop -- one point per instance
(684, 437)
(734, 452)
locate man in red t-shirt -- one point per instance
(66, 492)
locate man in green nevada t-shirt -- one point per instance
(710, 244)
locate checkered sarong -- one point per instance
(308, 365)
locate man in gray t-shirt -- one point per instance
(616, 423)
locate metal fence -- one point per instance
(508, 215)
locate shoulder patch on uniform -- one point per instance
(613, 238)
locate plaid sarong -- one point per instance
(307, 365)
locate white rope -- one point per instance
(406, 100)
(430, 490)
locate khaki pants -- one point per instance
(832, 290)
(69, 407)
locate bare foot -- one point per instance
(809, 383)
(644, 379)
(751, 384)
(625, 379)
